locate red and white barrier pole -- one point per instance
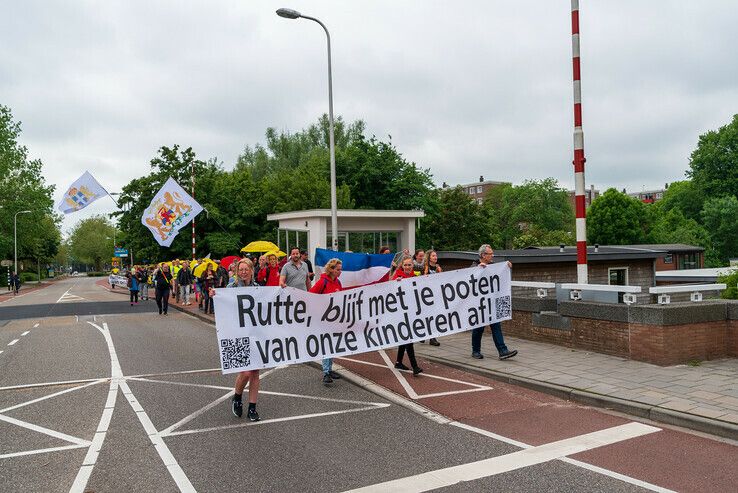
(579, 160)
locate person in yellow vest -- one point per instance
(175, 287)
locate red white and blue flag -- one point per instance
(359, 269)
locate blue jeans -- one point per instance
(499, 341)
(327, 365)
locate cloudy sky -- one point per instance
(465, 88)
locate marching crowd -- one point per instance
(179, 282)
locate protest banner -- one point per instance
(120, 281)
(270, 326)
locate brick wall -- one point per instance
(674, 344)
(731, 337)
(522, 326)
(602, 336)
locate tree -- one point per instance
(89, 243)
(720, 217)
(538, 210)
(673, 227)
(22, 187)
(714, 163)
(460, 225)
(617, 219)
(685, 197)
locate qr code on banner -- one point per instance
(235, 353)
(502, 305)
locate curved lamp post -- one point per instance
(293, 14)
(15, 238)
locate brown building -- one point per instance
(649, 196)
(478, 190)
(678, 256)
(589, 195)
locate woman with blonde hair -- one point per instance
(329, 283)
(269, 274)
(244, 278)
(430, 266)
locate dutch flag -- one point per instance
(359, 269)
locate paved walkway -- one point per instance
(703, 397)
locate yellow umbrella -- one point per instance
(200, 269)
(259, 246)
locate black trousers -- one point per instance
(134, 296)
(162, 299)
(410, 354)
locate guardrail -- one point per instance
(695, 291)
(575, 290)
(540, 287)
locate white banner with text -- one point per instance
(263, 327)
(120, 281)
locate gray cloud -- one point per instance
(464, 88)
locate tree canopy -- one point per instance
(614, 218)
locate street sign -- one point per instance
(121, 252)
(6, 263)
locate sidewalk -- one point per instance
(702, 398)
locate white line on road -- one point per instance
(45, 431)
(450, 476)
(39, 451)
(35, 325)
(26, 332)
(1, 352)
(23, 404)
(13, 342)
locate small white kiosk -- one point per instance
(311, 229)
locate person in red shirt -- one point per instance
(329, 283)
(405, 270)
(269, 275)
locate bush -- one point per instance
(731, 282)
(28, 276)
(97, 274)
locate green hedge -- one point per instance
(28, 276)
(97, 274)
(731, 292)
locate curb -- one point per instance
(634, 408)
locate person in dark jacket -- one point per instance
(184, 281)
(15, 283)
(163, 288)
(208, 281)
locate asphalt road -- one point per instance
(97, 395)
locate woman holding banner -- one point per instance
(430, 266)
(404, 271)
(244, 278)
(329, 283)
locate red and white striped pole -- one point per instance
(193, 219)
(581, 222)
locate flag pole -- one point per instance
(193, 219)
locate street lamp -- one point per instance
(15, 237)
(293, 14)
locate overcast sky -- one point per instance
(465, 88)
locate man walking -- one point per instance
(184, 282)
(175, 284)
(486, 256)
(295, 273)
(15, 283)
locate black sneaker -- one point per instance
(434, 342)
(253, 415)
(508, 354)
(334, 375)
(327, 378)
(237, 407)
(417, 370)
(477, 355)
(400, 366)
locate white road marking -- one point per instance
(56, 394)
(35, 325)
(40, 451)
(194, 415)
(45, 431)
(51, 384)
(13, 342)
(450, 476)
(379, 405)
(119, 381)
(399, 374)
(1, 352)
(26, 332)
